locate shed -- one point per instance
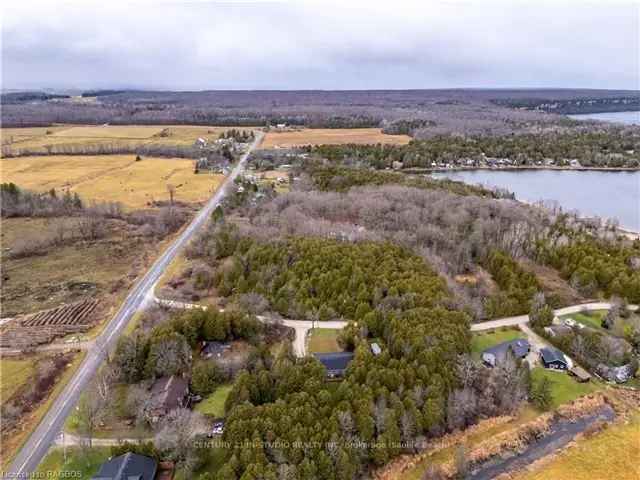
(552, 358)
(127, 467)
(580, 373)
(335, 363)
(375, 349)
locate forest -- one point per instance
(606, 148)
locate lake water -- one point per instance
(628, 118)
(605, 194)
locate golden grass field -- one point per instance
(613, 453)
(331, 136)
(38, 138)
(114, 178)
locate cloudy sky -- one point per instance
(320, 45)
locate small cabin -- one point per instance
(552, 358)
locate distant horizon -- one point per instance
(391, 89)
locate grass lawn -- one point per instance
(81, 463)
(323, 340)
(13, 374)
(213, 405)
(591, 319)
(481, 341)
(613, 453)
(564, 388)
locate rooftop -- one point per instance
(336, 361)
(167, 392)
(552, 355)
(129, 466)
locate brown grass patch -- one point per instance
(331, 136)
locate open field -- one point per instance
(213, 405)
(13, 374)
(112, 178)
(613, 453)
(323, 340)
(82, 463)
(11, 444)
(65, 274)
(481, 341)
(330, 136)
(37, 139)
(564, 388)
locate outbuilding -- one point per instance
(580, 374)
(552, 358)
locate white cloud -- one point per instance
(196, 45)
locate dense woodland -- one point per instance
(422, 112)
(607, 148)
(283, 417)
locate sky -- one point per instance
(395, 44)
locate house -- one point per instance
(336, 362)
(496, 354)
(375, 349)
(129, 466)
(580, 373)
(167, 394)
(213, 349)
(552, 358)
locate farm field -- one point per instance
(481, 341)
(612, 453)
(112, 178)
(331, 136)
(323, 340)
(65, 274)
(37, 139)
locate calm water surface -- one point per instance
(605, 194)
(628, 118)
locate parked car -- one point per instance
(216, 429)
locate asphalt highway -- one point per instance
(36, 447)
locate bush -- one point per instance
(205, 378)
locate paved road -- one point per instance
(45, 434)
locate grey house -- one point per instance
(336, 363)
(496, 354)
(552, 358)
(129, 466)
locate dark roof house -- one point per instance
(335, 363)
(167, 393)
(552, 358)
(129, 466)
(496, 354)
(213, 349)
